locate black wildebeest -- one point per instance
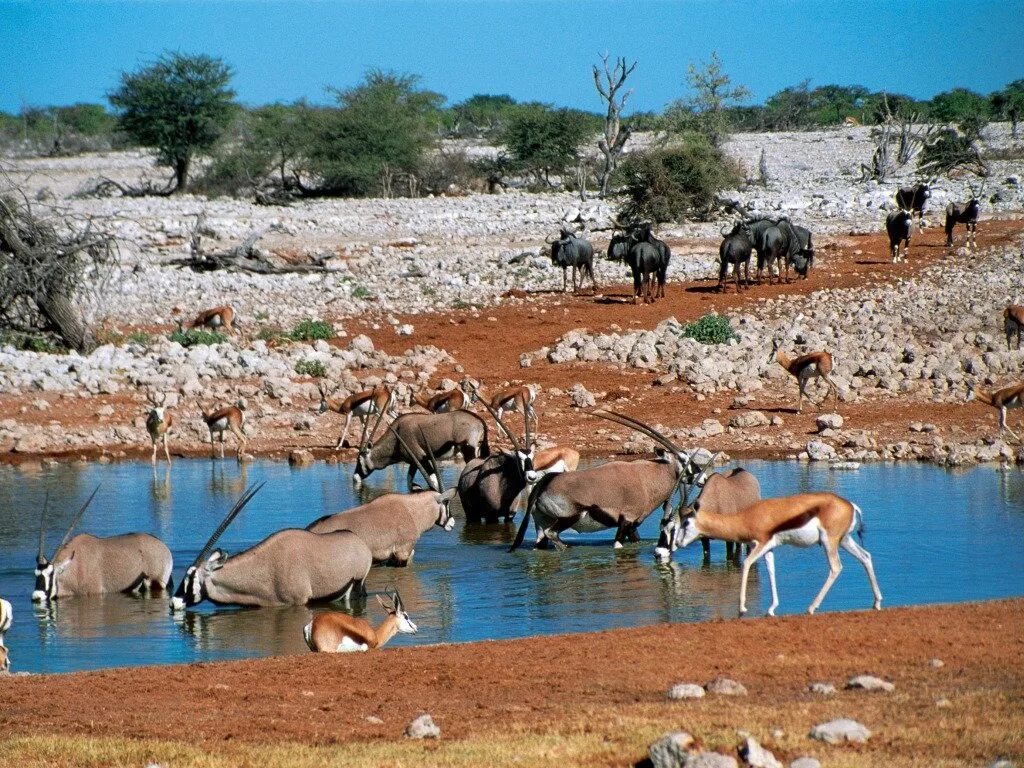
(735, 249)
(799, 248)
(899, 225)
(648, 259)
(966, 214)
(572, 251)
(770, 243)
(914, 199)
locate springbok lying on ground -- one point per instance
(802, 521)
(337, 632)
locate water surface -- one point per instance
(935, 535)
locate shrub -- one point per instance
(312, 368)
(269, 333)
(952, 149)
(140, 337)
(547, 141)
(361, 292)
(196, 337)
(710, 329)
(671, 183)
(28, 342)
(311, 330)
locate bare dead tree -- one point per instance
(609, 85)
(905, 132)
(49, 260)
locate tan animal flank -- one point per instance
(229, 419)
(805, 368)
(362, 405)
(216, 319)
(337, 632)
(442, 402)
(1013, 321)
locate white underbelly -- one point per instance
(806, 535)
(219, 425)
(348, 645)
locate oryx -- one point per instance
(89, 565)
(290, 567)
(619, 494)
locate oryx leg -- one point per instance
(835, 567)
(551, 533)
(865, 559)
(760, 550)
(705, 544)
(344, 432)
(769, 563)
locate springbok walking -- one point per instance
(804, 368)
(229, 419)
(1002, 400)
(362, 405)
(216, 318)
(337, 632)
(158, 424)
(802, 520)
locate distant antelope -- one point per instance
(723, 494)
(966, 214)
(913, 200)
(337, 632)
(519, 399)
(1013, 321)
(290, 567)
(88, 565)
(362, 405)
(231, 418)
(802, 520)
(216, 318)
(158, 424)
(6, 617)
(1002, 400)
(899, 225)
(805, 368)
(442, 402)
(619, 494)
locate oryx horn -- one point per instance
(367, 437)
(246, 497)
(76, 520)
(639, 426)
(40, 558)
(412, 456)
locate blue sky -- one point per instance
(73, 50)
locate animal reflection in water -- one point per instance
(250, 632)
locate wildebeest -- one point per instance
(572, 251)
(618, 246)
(799, 248)
(899, 225)
(770, 243)
(966, 214)
(914, 199)
(735, 249)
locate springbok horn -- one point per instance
(412, 456)
(246, 497)
(397, 599)
(639, 426)
(504, 428)
(42, 522)
(433, 460)
(75, 521)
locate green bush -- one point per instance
(28, 342)
(710, 329)
(361, 292)
(271, 332)
(195, 337)
(312, 368)
(140, 337)
(546, 141)
(675, 182)
(311, 330)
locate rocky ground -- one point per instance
(410, 283)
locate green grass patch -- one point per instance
(710, 329)
(28, 342)
(313, 368)
(311, 330)
(195, 337)
(362, 292)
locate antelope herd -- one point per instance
(330, 558)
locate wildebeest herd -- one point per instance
(329, 559)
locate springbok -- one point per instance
(619, 494)
(391, 524)
(231, 418)
(519, 399)
(802, 520)
(337, 632)
(723, 494)
(158, 424)
(1013, 321)
(442, 402)
(216, 318)
(966, 214)
(805, 368)
(6, 617)
(1002, 400)
(89, 565)
(290, 567)
(362, 405)
(439, 434)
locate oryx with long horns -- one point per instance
(290, 567)
(440, 435)
(89, 565)
(619, 494)
(392, 524)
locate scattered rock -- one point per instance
(936, 663)
(686, 691)
(840, 731)
(829, 421)
(671, 750)
(805, 762)
(373, 720)
(723, 686)
(301, 458)
(870, 683)
(819, 451)
(423, 727)
(749, 419)
(753, 754)
(580, 397)
(711, 760)
(825, 689)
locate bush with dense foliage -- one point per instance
(311, 330)
(710, 329)
(546, 142)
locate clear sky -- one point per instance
(73, 50)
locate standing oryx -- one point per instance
(290, 567)
(88, 565)
(362, 405)
(572, 251)
(619, 494)
(913, 200)
(899, 225)
(391, 524)
(6, 617)
(966, 214)
(802, 520)
(158, 424)
(438, 434)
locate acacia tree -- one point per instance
(179, 105)
(1009, 104)
(713, 92)
(546, 141)
(614, 137)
